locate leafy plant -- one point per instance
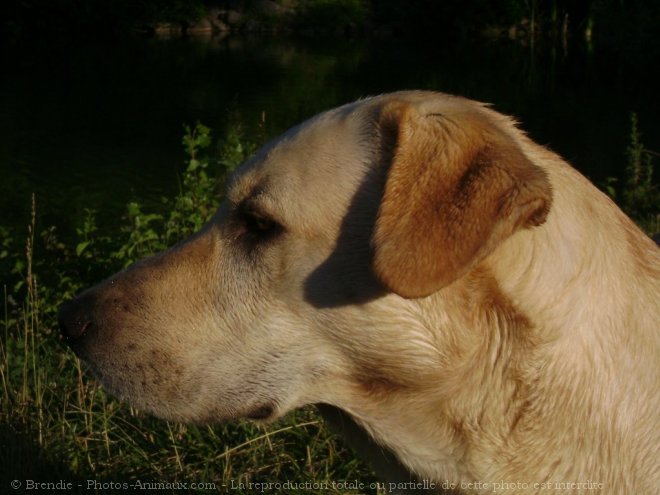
(198, 197)
(641, 198)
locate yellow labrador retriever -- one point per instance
(415, 261)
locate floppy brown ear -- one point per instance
(457, 186)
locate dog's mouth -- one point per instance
(133, 393)
(261, 412)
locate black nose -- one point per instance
(75, 319)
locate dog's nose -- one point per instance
(75, 319)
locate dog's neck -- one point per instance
(476, 387)
(557, 274)
(521, 326)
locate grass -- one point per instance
(56, 423)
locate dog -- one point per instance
(415, 262)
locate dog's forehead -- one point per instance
(311, 173)
(311, 170)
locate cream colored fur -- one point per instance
(531, 356)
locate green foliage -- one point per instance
(143, 237)
(640, 197)
(198, 197)
(234, 149)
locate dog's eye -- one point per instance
(254, 227)
(258, 227)
(259, 224)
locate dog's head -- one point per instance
(305, 286)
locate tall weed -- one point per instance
(639, 196)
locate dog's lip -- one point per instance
(263, 411)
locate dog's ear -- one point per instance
(457, 186)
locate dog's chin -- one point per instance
(264, 412)
(183, 413)
(178, 411)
